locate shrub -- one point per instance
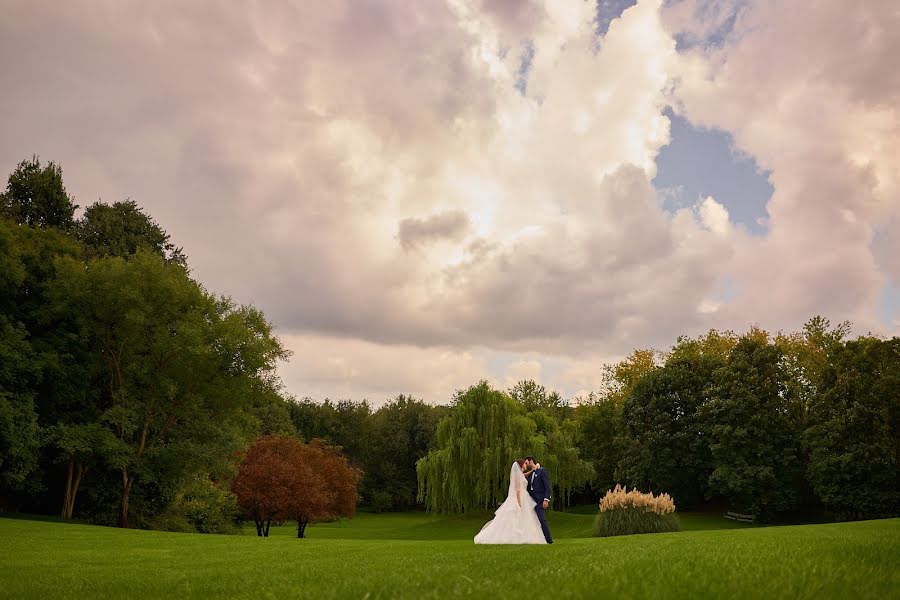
(626, 513)
(200, 506)
(381, 501)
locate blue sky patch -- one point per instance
(703, 162)
(889, 305)
(608, 10)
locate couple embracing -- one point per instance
(521, 519)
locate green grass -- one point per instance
(423, 527)
(416, 556)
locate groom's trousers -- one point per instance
(539, 509)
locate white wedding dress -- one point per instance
(515, 522)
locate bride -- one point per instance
(515, 522)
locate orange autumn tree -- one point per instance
(333, 491)
(281, 478)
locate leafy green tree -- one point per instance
(665, 450)
(853, 435)
(534, 397)
(314, 420)
(19, 432)
(33, 345)
(352, 431)
(346, 424)
(712, 347)
(753, 444)
(484, 432)
(176, 359)
(804, 356)
(663, 447)
(619, 379)
(28, 260)
(599, 439)
(270, 409)
(385, 444)
(121, 229)
(599, 433)
(35, 196)
(82, 447)
(403, 431)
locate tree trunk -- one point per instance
(302, 522)
(259, 526)
(268, 522)
(127, 482)
(80, 472)
(67, 498)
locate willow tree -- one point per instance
(476, 443)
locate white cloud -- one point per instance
(371, 177)
(714, 216)
(337, 368)
(800, 94)
(522, 370)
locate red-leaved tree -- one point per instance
(333, 491)
(281, 478)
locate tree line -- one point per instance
(130, 394)
(123, 380)
(768, 423)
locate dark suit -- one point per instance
(539, 488)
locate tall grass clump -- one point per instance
(624, 512)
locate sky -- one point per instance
(420, 195)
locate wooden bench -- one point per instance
(741, 518)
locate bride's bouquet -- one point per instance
(624, 512)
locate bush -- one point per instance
(381, 501)
(200, 506)
(626, 513)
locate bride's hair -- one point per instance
(521, 462)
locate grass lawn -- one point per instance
(416, 556)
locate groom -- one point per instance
(539, 488)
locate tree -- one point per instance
(805, 356)
(402, 432)
(19, 431)
(35, 196)
(270, 408)
(176, 360)
(344, 423)
(666, 451)
(121, 229)
(269, 482)
(534, 397)
(753, 445)
(598, 416)
(32, 342)
(619, 379)
(599, 439)
(853, 437)
(484, 432)
(282, 478)
(664, 448)
(328, 486)
(82, 447)
(314, 419)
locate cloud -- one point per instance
(337, 368)
(785, 87)
(714, 216)
(450, 225)
(373, 177)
